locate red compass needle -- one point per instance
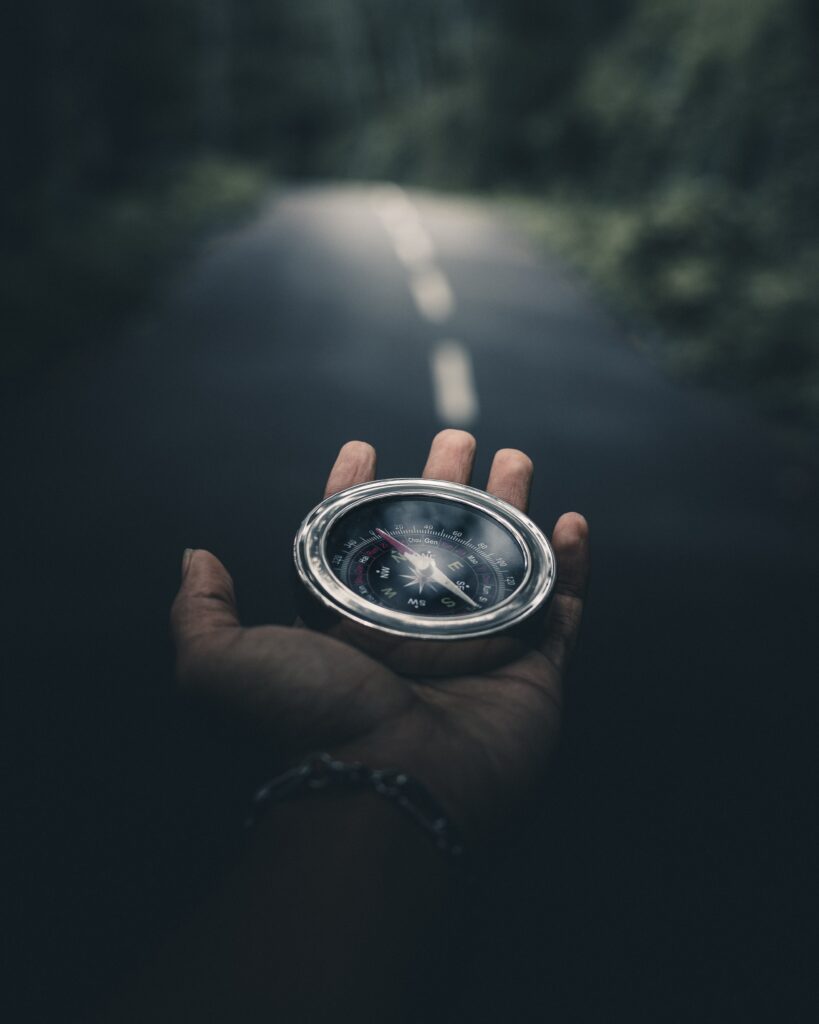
(395, 543)
(428, 567)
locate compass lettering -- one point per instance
(431, 558)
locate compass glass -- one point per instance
(425, 556)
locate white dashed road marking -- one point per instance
(456, 401)
(412, 244)
(432, 294)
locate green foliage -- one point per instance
(725, 88)
(694, 261)
(674, 144)
(693, 199)
(79, 273)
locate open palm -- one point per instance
(476, 723)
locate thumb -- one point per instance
(205, 605)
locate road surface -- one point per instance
(661, 874)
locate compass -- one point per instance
(426, 559)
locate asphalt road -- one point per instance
(668, 871)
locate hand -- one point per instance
(478, 737)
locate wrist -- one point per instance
(345, 826)
(481, 800)
(436, 778)
(322, 773)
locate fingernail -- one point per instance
(186, 561)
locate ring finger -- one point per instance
(510, 477)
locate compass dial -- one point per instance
(424, 558)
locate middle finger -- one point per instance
(451, 456)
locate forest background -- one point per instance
(670, 150)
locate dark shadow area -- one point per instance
(192, 331)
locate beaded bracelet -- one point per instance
(321, 771)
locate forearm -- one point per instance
(341, 906)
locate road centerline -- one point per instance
(453, 382)
(432, 294)
(456, 398)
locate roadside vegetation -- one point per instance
(669, 149)
(79, 273)
(701, 285)
(698, 214)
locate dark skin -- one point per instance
(347, 884)
(479, 739)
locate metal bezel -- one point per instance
(316, 574)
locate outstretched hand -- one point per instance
(478, 739)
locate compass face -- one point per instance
(423, 558)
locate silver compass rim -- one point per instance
(317, 576)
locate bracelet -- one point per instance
(321, 771)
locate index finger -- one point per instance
(355, 464)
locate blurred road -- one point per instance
(675, 842)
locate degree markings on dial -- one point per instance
(485, 565)
(489, 556)
(417, 537)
